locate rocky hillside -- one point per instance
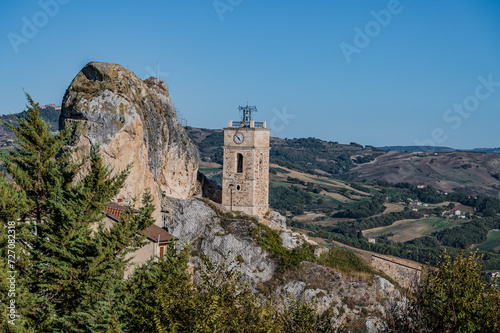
(285, 265)
(134, 123)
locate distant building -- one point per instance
(57, 107)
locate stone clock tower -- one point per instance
(245, 182)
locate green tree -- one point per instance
(452, 298)
(457, 298)
(70, 265)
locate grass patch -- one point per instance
(492, 242)
(438, 223)
(346, 262)
(392, 192)
(210, 170)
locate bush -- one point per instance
(452, 298)
(271, 241)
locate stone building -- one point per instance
(245, 182)
(158, 238)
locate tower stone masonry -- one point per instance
(245, 182)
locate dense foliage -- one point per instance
(364, 209)
(452, 298)
(474, 232)
(68, 265)
(288, 198)
(271, 241)
(344, 261)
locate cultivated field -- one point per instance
(406, 230)
(491, 243)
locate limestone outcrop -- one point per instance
(134, 122)
(199, 224)
(194, 222)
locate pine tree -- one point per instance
(71, 265)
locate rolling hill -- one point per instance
(454, 171)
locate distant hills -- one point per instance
(471, 172)
(416, 149)
(433, 149)
(50, 113)
(450, 171)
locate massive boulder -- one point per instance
(134, 122)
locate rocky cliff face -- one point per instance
(221, 239)
(134, 122)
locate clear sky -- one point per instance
(374, 72)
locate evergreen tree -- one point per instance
(71, 265)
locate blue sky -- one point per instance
(374, 72)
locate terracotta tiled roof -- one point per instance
(115, 211)
(154, 231)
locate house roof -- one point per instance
(154, 232)
(115, 210)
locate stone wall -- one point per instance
(406, 273)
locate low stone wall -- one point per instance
(405, 273)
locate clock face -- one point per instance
(238, 137)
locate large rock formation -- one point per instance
(134, 122)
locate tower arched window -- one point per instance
(239, 164)
(261, 168)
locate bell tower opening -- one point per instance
(239, 163)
